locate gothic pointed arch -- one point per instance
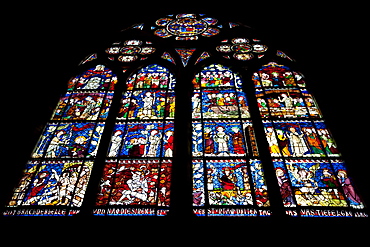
(137, 175)
(187, 115)
(61, 163)
(228, 176)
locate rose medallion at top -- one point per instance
(186, 27)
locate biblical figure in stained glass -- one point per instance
(98, 78)
(294, 138)
(146, 139)
(135, 182)
(83, 106)
(69, 140)
(54, 183)
(147, 104)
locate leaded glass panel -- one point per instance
(227, 181)
(306, 171)
(137, 174)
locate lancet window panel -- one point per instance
(60, 165)
(305, 156)
(137, 176)
(228, 177)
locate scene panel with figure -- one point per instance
(216, 75)
(327, 139)
(275, 75)
(69, 140)
(98, 78)
(83, 106)
(281, 93)
(228, 182)
(147, 104)
(219, 138)
(135, 182)
(309, 182)
(152, 76)
(282, 103)
(349, 189)
(49, 183)
(294, 139)
(142, 139)
(220, 103)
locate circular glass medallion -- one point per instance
(113, 50)
(130, 49)
(243, 56)
(186, 27)
(258, 48)
(223, 48)
(162, 33)
(210, 32)
(147, 50)
(133, 42)
(210, 21)
(240, 41)
(127, 59)
(242, 48)
(163, 21)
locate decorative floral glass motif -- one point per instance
(168, 57)
(130, 50)
(186, 27)
(185, 55)
(242, 49)
(89, 58)
(203, 56)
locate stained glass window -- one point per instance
(59, 168)
(250, 139)
(305, 155)
(137, 175)
(228, 176)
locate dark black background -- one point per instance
(42, 44)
